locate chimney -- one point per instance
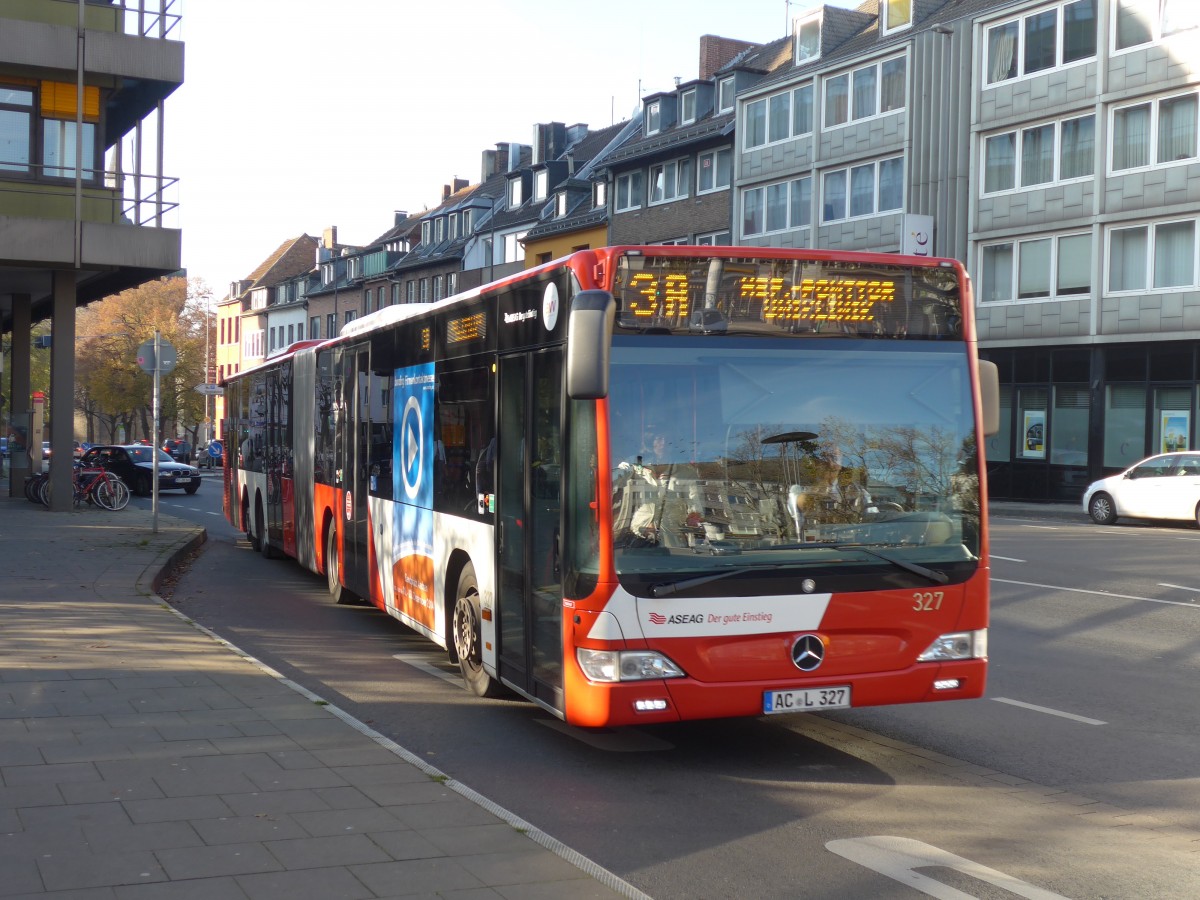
(459, 184)
(401, 215)
(329, 237)
(716, 51)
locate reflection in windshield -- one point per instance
(752, 448)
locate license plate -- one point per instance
(808, 700)
(180, 479)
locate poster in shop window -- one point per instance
(1174, 426)
(1034, 435)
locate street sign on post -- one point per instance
(167, 357)
(209, 390)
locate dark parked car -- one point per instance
(179, 450)
(134, 464)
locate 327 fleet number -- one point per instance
(927, 601)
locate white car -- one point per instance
(1166, 486)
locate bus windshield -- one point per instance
(748, 452)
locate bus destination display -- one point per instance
(772, 296)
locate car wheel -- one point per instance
(468, 637)
(142, 486)
(192, 488)
(1102, 510)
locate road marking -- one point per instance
(899, 858)
(1055, 587)
(1042, 527)
(1050, 712)
(429, 669)
(1009, 558)
(1180, 587)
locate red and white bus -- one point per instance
(646, 484)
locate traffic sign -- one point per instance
(166, 353)
(210, 390)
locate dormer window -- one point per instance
(687, 105)
(725, 95)
(467, 216)
(600, 195)
(516, 196)
(654, 117)
(541, 185)
(454, 227)
(426, 232)
(897, 14)
(327, 273)
(560, 204)
(439, 228)
(808, 39)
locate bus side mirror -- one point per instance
(989, 395)
(589, 337)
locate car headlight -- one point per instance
(625, 665)
(957, 645)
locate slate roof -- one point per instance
(293, 258)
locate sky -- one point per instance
(297, 115)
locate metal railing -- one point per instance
(146, 18)
(108, 196)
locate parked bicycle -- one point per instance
(91, 486)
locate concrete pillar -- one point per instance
(62, 392)
(19, 403)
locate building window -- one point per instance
(1048, 268)
(1158, 256)
(687, 104)
(516, 194)
(331, 325)
(714, 170)
(600, 195)
(1046, 39)
(451, 284)
(424, 290)
(654, 117)
(1040, 154)
(16, 128)
(439, 229)
(560, 204)
(291, 335)
(725, 94)
(58, 149)
(866, 92)
(715, 239)
(437, 287)
(807, 36)
(1160, 131)
(874, 188)
(629, 191)
(410, 292)
(514, 249)
(777, 207)
(779, 117)
(541, 184)
(395, 293)
(314, 327)
(1145, 21)
(669, 181)
(351, 315)
(896, 14)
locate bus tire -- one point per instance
(264, 538)
(249, 531)
(468, 637)
(337, 591)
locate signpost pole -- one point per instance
(157, 441)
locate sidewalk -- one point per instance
(141, 758)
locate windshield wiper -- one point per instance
(669, 588)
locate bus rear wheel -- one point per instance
(333, 572)
(468, 637)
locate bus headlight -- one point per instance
(625, 665)
(958, 645)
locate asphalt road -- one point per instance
(1077, 776)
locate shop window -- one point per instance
(999, 445)
(1124, 425)
(1071, 410)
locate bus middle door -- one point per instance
(528, 477)
(355, 462)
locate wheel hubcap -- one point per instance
(465, 631)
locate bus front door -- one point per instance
(529, 473)
(356, 532)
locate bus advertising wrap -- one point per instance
(412, 486)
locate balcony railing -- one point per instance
(106, 196)
(146, 18)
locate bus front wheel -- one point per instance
(468, 637)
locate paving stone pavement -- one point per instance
(143, 759)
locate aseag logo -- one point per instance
(676, 619)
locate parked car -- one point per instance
(179, 449)
(211, 455)
(1165, 486)
(134, 464)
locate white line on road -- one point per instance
(1056, 587)
(900, 859)
(1051, 712)
(1042, 527)
(1009, 558)
(1180, 587)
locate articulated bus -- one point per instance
(648, 484)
